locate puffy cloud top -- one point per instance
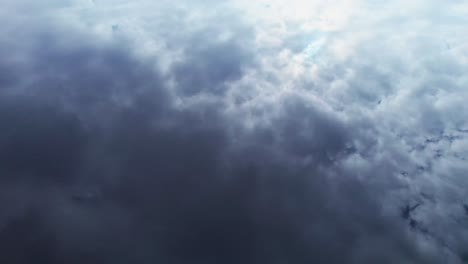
(233, 132)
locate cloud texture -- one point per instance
(233, 132)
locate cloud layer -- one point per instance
(233, 132)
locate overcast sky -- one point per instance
(234, 131)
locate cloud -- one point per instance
(205, 132)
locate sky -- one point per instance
(234, 131)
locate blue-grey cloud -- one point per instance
(197, 134)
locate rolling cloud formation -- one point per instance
(233, 132)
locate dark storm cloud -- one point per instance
(208, 68)
(114, 182)
(100, 163)
(22, 153)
